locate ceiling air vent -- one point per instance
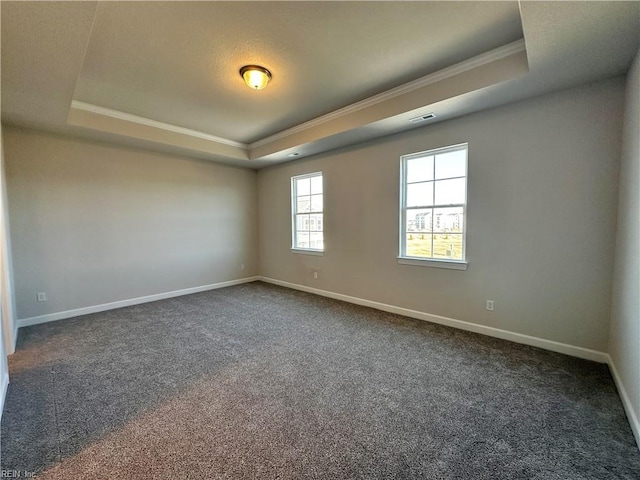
(422, 118)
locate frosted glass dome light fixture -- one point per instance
(255, 76)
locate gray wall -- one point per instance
(4, 369)
(93, 223)
(542, 193)
(624, 345)
(6, 262)
(7, 326)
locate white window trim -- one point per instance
(304, 251)
(294, 196)
(431, 262)
(428, 262)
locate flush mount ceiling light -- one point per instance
(255, 76)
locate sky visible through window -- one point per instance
(308, 214)
(434, 205)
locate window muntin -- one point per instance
(433, 204)
(307, 212)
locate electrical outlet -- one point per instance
(41, 296)
(315, 275)
(242, 267)
(490, 305)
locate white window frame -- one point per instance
(430, 261)
(294, 213)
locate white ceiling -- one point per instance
(164, 75)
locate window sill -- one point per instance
(448, 264)
(317, 253)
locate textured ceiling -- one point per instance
(323, 55)
(164, 75)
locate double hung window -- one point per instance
(307, 212)
(433, 206)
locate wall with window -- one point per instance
(93, 223)
(624, 344)
(542, 200)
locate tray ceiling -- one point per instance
(164, 75)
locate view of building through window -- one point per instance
(433, 206)
(307, 208)
(434, 191)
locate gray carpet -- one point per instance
(258, 381)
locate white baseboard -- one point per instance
(51, 317)
(3, 392)
(632, 415)
(551, 345)
(567, 349)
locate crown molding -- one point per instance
(108, 112)
(444, 74)
(458, 68)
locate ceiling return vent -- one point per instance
(422, 118)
